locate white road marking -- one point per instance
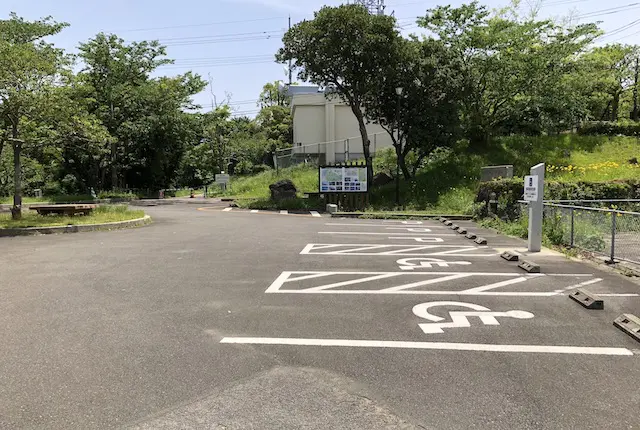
(483, 347)
(497, 285)
(315, 214)
(227, 209)
(382, 234)
(351, 282)
(420, 239)
(284, 212)
(581, 284)
(460, 319)
(617, 294)
(427, 282)
(379, 225)
(428, 278)
(427, 263)
(394, 250)
(255, 211)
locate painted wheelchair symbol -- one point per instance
(461, 318)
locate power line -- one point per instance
(620, 29)
(610, 11)
(204, 25)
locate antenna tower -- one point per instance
(375, 7)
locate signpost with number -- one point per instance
(533, 193)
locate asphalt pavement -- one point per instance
(209, 319)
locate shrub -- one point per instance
(609, 128)
(509, 191)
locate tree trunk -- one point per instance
(402, 162)
(615, 106)
(114, 169)
(16, 210)
(366, 144)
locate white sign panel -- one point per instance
(343, 179)
(531, 188)
(222, 178)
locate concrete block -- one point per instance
(481, 241)
(587, 299)
(462, 230)
(529, 266)
(470, 235)
(447, 222)
(442, 219)
(454, 227)
(490, 173)
(332, 208)
(630, 324)
(510, 256)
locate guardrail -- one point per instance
(609, 232)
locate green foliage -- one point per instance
(300, 204)
(513, 69)
(610, 128)
(348, 50)
(304, 177)
(100, 215)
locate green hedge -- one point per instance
(509, 191)
(609, 128)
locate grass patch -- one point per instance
(72, 198)
(305, 178)
(302, 204)
(606, 162)
(100, 215)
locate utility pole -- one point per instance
(635, 115)
(290, 71)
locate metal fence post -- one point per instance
(614, 215)
(572, 228)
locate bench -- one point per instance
(68, 210)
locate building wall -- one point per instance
(331, 122)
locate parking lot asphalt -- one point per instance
(212, 319)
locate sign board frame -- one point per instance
(531, 188)
(350, 186)
(222, 178)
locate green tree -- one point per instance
(512, 69)
(425, 116)
(348, 50)
(145, 116)
(30, 68)
(608, 72)
(272, 96)
(276, 124)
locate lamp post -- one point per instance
(398, 147)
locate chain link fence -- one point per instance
(316, 153)
(613, 233)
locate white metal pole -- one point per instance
(536, 209)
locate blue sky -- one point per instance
(233, 41)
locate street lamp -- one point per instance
(398, 147)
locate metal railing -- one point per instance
(344, 149)
(613, 233)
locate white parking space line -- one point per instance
(383, 234)
(227, 209)
(315, 214)
(496, 285)
(581, 284)
(383, 225)
(480, 347)
(362, 249)
(336, 279)
(427, 282)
